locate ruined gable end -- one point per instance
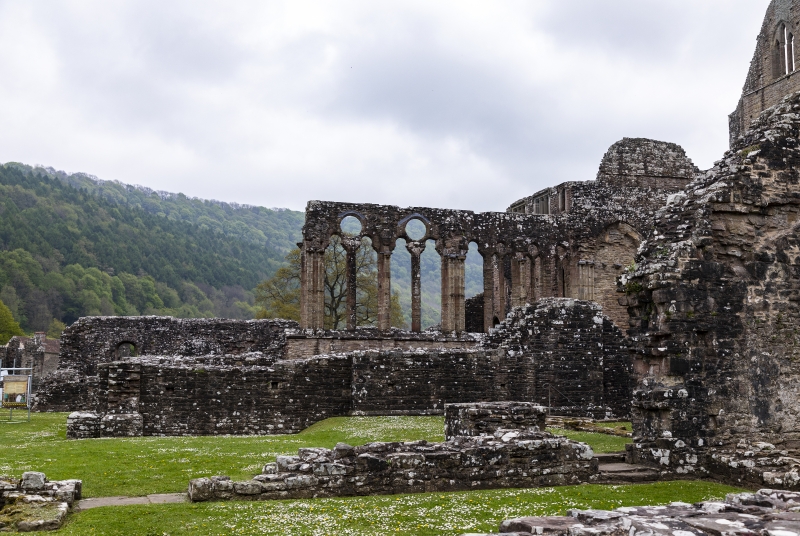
(773, 69)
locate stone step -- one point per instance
(610, 457)
(625, 472)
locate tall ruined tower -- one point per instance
(774, 69)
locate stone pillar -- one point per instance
(312, 288)
(488, 290)
(499, 281)
(521, 283)
(453, 256)
(416, 249)
(586, 280)
(351, 245)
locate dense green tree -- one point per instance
(8, 326)
(279, 296)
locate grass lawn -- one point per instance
(422, 514)
(598, 442)
(143, 465)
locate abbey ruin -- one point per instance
(656, 291)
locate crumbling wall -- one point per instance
(422, 382)
(249, 394)
(579, 362)
(91, 341)
(473, 314)
(486, 418)
(509, 459)
(38, 353)
(714, 305)
(302, 344)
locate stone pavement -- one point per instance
(158, 498)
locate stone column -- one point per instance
(453, 260)
(499, 280)
(521, 292)
(488, 290)
(416, 249)
(312, 288)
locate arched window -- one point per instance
(783, 61)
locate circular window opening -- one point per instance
(415, 229)
(351, 226)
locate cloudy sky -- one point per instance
(450, 103)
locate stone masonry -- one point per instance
(487, 417)
(507, 459)
(715, 304)
(34, 503)
(569, 241)
(255, 393)
(768, 512)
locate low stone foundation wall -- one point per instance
(86, 425)
(744, 464)
(485, 418)
(508, 459)
(767, 512)
(34, 503)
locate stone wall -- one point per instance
(94, 340)
(38, 353)
(768, 80)
(578, 358)
(246, 394)
(485, 418)
(715, 304)
(566, 344)
(473, 314)
(420, 383)
(509, 459)
(301, 344)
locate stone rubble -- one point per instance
(766, 513)
(508, 459)
(33, 503)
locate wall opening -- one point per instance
(335, 285)
(431, 271)
(401, 280)
(473, 276)
(126, 349)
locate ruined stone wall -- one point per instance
(301, 344)
(419, 383)
(573, 248)
(715, 305)
(473, 314)
(94, 340)
(38, 353)
(486, 418)
(577, 356)
(249, 394)
(773, 70)
(509, 459)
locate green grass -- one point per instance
(421, 514)
(599, 442)
(144, 465)
(617, 424)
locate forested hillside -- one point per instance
(67, 252)
(73, 245)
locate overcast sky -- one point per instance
(451, 103)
